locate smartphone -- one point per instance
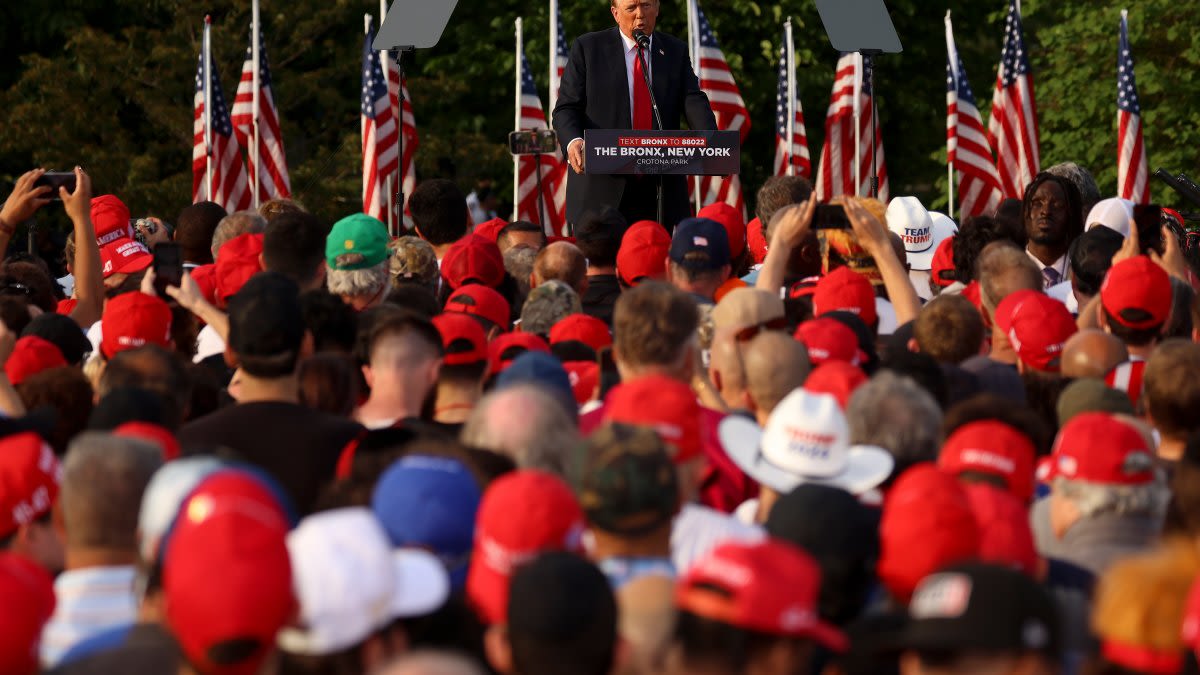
(168, 267)
(1148, 219)
(830, 217)
(55, 180)
(533, 142)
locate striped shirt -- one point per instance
(90, 601)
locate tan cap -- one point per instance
(412, 259)
(745, 307)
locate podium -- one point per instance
(645, 152)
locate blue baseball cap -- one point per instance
(545, 371)
(699, 244)
(430, 502)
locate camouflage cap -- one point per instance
(412, 259)
(629, 486)
(548, 304)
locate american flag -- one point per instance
(967, 148)
(557, 66)
(835, 176)
(716, 80)
(274, 181)
(379, 132)
(1013, 126)
(1132, 180)
(551, 167)
(408, 126)
(229, 186)
(797, 153)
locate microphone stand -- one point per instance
(654, 105)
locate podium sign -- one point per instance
(645, 152)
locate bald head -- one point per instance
(1092, 353)
(1005, 269)
(646, 621)
(775, 365)
(562, 261)
(725, 367)
(525, 423)
(431, 662)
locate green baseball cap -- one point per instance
(356, 242)
(629, 485)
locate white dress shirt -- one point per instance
(1059, 266)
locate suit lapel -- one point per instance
(659, 75)
(621, 83)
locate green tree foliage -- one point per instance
(109, 84)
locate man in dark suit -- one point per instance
(603, 88)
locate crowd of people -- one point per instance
(846, 438)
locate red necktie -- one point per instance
(642, 116)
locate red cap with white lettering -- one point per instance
(994, 448)
(29, 478)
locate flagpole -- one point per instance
(553, 54)
(389, 183)
(952, 56)
(255, 51)
(790, 46)
(694, 53)
(858, 75)
(517, 120)
(208, 173)
(363, 126)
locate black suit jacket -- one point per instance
(594, 94)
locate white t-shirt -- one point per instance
(208, 343)
(698, 530)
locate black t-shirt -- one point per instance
(296, 445)
(600, 296)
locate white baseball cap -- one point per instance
(351, 583)
(1113, 213)
(806, 440)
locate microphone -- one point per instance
(640, 37)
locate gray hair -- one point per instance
(234, 225)
(525, 423)
(895, 413)
(518, 262)
(1093, 499)
(1089, 193)
(104, 477)
(367, 282)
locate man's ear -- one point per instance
(498, 649)
(308, 346)
(1101, 320)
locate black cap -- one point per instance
(61, 331)
(699, 244)
(559, 598)
(265, 316)
(977, 606)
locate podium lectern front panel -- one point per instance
(642, 152)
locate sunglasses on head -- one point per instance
(750, 332)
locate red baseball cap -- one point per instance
(30, 356)
(845, 290)
(205, 277)
(1097, 447)
(110, 218)
(28, 593)
(509, 346)
(662, 403)
(29, 479)
(463, 339)
(735, 225)
(756, 241)
(490, 230)
(829, 340)
(582, 328)
(153, 433)
(1037, 326)
(1137, 283)
(522, 513)
(993, 448)
(927, 524)
(643, 252)
(238, 260)
(480, 301)
(124, 256)
(1005, 537)
(226, 572)
(943, 261)
(836, 378)
(473, 260)
(584, 377)
(132, 320)
(1191, 620)
(768, 587)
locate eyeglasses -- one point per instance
(750, 332)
